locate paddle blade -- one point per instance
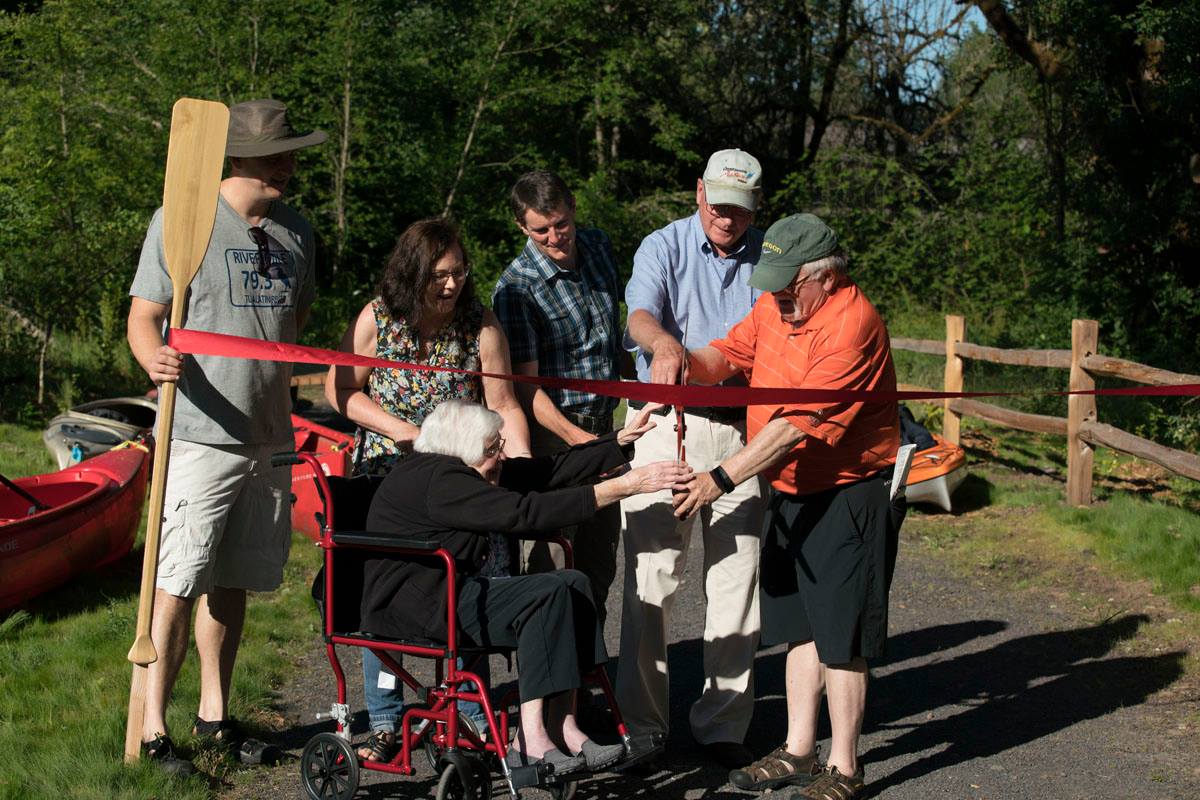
(195, 155)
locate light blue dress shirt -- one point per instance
(681, 280)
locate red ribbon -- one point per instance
(218, 344)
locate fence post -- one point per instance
(1085, 335)
(956, 331)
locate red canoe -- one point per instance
(332, 449)
(94, 510)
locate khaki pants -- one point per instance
(656, 547)
(594, 542)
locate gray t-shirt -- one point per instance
(234, 400)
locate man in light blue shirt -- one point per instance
(693, 275)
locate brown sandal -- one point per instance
(379, 746)
(777, 768)
(833, 785)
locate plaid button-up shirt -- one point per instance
(567, 320)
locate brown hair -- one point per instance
(541, 190)
(409, 267)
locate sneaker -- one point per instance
(599, 756)
(160, 751)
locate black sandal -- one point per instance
(160, 751)
(380, 746)
(223, 732)
(227, 735)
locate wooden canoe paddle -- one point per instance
(195, 155)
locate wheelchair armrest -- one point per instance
(382, 541)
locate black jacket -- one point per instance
(440, 499)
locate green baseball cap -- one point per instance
(788, 245)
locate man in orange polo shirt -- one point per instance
(831, 531)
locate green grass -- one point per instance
(1141, 525)
(22, 452)
(1148, 539)
(64, 680)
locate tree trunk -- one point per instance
(599, 135)
(480, 105)
(342, 164)
(41, 394)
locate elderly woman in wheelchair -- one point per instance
(454, 491)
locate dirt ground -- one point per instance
(995, 686)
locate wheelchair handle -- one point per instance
(285, 459)
(318, 476)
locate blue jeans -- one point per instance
(385, 707)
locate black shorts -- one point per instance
(826, 568)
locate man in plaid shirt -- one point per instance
(557, 303)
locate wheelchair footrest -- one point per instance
(530, 776)
(641, 747)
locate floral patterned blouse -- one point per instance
(412, 395)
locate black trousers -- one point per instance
(549, 618)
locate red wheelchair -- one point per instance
(462, 758)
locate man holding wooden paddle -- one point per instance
(226, 525)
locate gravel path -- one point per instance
(988, 692)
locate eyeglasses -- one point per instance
(493, 449)
(264, 250)
(795, 286)
(442, 278)
(727, 211)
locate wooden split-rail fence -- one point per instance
(1083, 430)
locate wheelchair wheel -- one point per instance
(329, 768)
(451, 787)
(431, 751)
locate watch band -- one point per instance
(722, 480)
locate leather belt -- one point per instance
(595, 425)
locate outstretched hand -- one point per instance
(657, 476)
(638, 425)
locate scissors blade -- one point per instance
(680, 427)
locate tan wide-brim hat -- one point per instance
(260, 128)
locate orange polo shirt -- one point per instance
(844, 345)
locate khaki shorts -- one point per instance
(226, 519)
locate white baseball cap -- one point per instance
(733, 177)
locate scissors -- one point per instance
(680, 425)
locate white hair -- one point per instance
(458, 428)
(835, 262)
